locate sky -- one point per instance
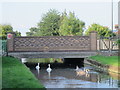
(23, 15)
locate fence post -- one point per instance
(10, 41)
(93, 41)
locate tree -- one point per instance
(55, 24)
(101, 30)
(70, 25)
(49, 26)
(5, 29)
(33, 31)
(17, 33)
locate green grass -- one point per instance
(17, 75)
(109, 60)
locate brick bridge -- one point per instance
(52, 46)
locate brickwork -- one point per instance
(52, 43)
(93, 40)
(10, 43)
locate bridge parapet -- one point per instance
(52, 43)
(10, 41)
(93, 40)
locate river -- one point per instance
(65, 76)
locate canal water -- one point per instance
(66, 76)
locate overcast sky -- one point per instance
(24, 15)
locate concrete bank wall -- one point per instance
(108, 68)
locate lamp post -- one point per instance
(110, 48)
(112, 16)
(118, 26)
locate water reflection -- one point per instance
(49, 75)
(66, 76)
(114, 75)
(38, 71)
(119, 83)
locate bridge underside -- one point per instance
(52, 54)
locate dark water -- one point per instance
(68, 77)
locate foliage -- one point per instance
(17, 75)
(45, 60)
(55, 24)
(33, 31)
(70, 25)
(118, 41)
(49, 26)
(101, 30)
(17, 33)
(4, 29)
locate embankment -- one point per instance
(17, 75)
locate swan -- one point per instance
(81, 72)
(37, 67)
(49, 69)
(77, 68)
(86, 70)
(24, 60)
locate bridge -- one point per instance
(52, 46)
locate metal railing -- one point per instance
(3, 47)
(108, 43)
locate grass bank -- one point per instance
(109, 60)
(17, 75)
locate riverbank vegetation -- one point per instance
(107, 60)
(45, 60)
(17, 75)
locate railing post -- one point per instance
(93, 41)
(10, 41)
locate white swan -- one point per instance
(49, 69)
(23, 60)
(86, 70)
(37, 67)
(77, 68)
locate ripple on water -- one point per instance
(67, 78)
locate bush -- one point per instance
(118, 41)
